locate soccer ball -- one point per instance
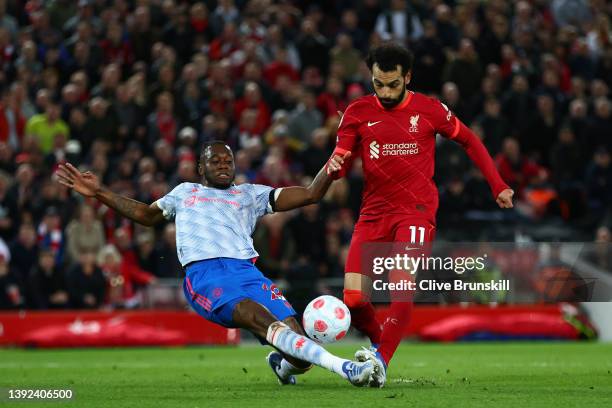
(326, 319)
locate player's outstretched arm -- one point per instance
(294, 197)
(88, 185)
(480, 156)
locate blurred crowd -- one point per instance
(130, 89)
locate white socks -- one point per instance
(302, 348)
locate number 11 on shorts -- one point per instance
(413, 234)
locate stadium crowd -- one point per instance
(131, 89)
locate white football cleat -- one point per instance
(379, 375)
(359, 374)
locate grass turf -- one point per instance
(421, 375)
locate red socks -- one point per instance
(398, 319)
(393, 328)
(363, 315)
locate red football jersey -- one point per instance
(397, 147)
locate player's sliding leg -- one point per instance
(254, 317)
(357, 289)
(283, 369)
(284, 366)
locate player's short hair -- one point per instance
(388, 56)
(210, 144)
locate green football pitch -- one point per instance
(421, 375)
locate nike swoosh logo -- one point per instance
(373, 123)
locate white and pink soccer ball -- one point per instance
(326, 319)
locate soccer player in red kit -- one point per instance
(394, 133)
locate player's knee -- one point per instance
(294, 325)
(355, 299)
(274, 329)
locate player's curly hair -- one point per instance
(388, 56)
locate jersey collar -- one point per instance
(398, 107)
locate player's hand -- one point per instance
(86, 183)
(335, 163)
(504, 199)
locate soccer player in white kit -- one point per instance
(214, 222)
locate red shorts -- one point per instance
(390, 228)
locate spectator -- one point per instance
(566, 158)
(305, 118)
(142, 34)
(312, 47)
(45, 127)
(514, 168)
(101, 124)
(85, 13)
(400, 23)
(332, 100)
(599, 129)
(345, 55)
(8, 209)
(598, 182)
(253, 100)
(145, 251)
(429, 60)
(451, 97)
(21, 190)
(494, 126)
(86, 283)
(84, 233)
(107, 88)
(543, 130)
(317, 153)
(121, 275)
(11, 294)
(167, 265)
(308, 233)
(115, 47)
(162, 123)
(18, 110)
(24, 252)
(447, 31)
(277, 246)
(280, 66)
(50, 233)
(47, 286)
(465, 70)
(225, 13)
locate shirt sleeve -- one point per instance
(263, 204)
(347, 137)
(444, 120)
(168, 203)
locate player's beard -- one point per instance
(211, 182)
(390, 103)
